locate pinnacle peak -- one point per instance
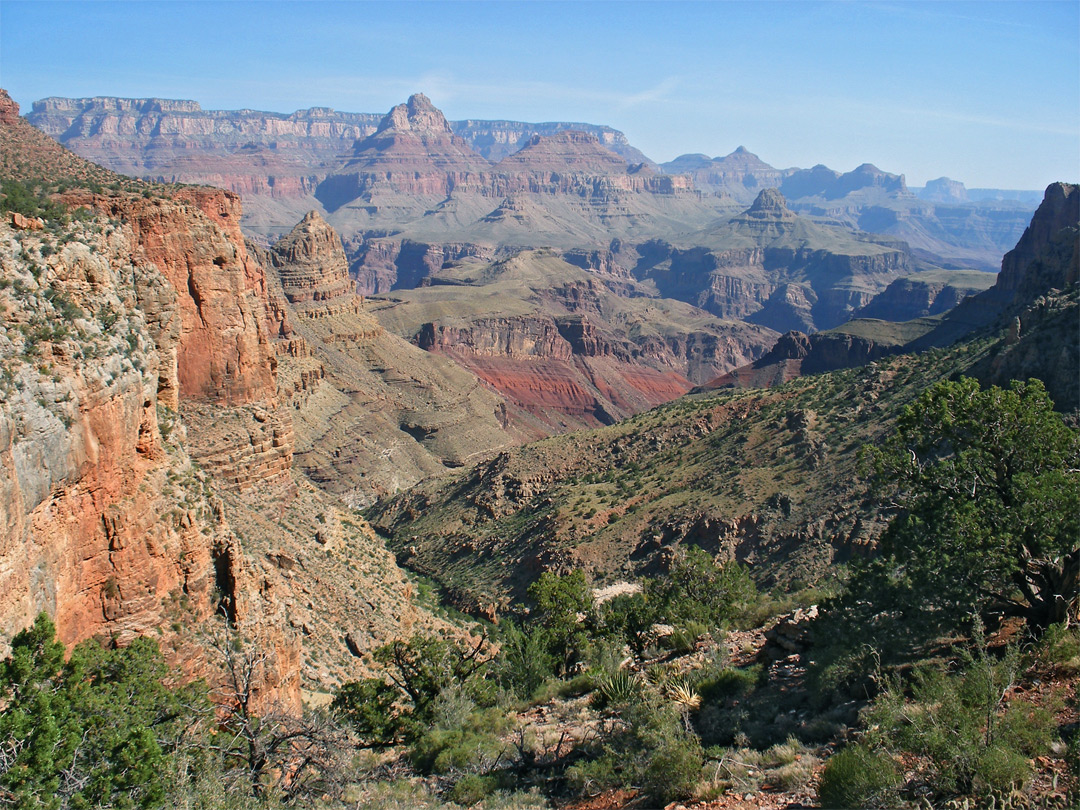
(417, 114)
(9, 110)
(418, 101)
(769, 201)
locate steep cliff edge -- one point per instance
(145, 463)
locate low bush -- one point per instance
(960, 731)
(473, 747)
(652, 749)
(729, 682)
(858, 777)
(1059, 648)
(473, 788)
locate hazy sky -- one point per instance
(983, 92)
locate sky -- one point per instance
(987, 93)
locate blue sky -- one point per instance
(983, 92)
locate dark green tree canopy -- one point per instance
(986, 484)
(98, 730)
(985, 490)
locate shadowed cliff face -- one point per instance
(1046, 256)
(1033, 301)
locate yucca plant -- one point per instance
(681, 693)
(619, 687)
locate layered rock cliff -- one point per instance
(102, 517)
(146, 463)
(925, 294)
(245, 151)
(279, 161)
(563, 348)
(372, 413)
(253, 152)
(193, 237)
(415, 152)
(770, 266)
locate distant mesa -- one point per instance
(564, 151)
(823, 182)
(944, 190)
(112, 104)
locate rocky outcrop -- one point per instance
(1046, 256)
(193, 238)
(104, 521)
(782, 363)
(313, 271)
(1038, 292)
(1041, 341)
(918, 296)
(509, 337)
(9, 110)
(371, 413)
(543, 366)
(243, 447)
(415, 152)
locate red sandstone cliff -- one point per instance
(193, 237)
(112, 320)
(146, 467)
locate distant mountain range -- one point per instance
(337, 163)
(553, 262)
